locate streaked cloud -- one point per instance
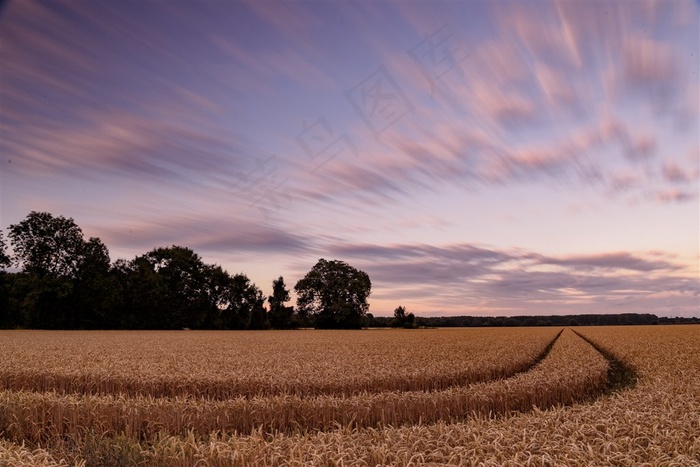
(487, 278)
(208, 234)
(164, 124)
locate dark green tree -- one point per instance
(218, 283)
(7, 314)
(94, 290)
(280, 314)
(403, 320)
(5, 260)
(47, 245)
(334, 294)
(245, 305)
(258, 316)
(59, 286)
(129, 282)
(174, 288)
(10, 311)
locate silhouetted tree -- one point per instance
(399, 317)
(127, 312)
(217, 286)
(93, 288)
(47, 245)
(176, 292)
(403, 320)
(334, 294)
(5, 260)
(172, 288)
(60, 285)
(6, 313)
(280, 314)
(258, 315)
(244, 302)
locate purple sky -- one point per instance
(473, 158)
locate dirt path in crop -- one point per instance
(570, 370)
(620, 374)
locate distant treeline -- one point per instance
(554, 320)
(67, 282)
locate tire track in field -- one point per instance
(570, 372)
(620, 375)
(222, 390)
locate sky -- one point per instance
(474, 158)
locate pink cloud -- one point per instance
(538, 29)
(556, 86)
(499, 62)
(674, 173)
(613, 260)
(122, 143)
(648, 62)
(674, 195)
(625, 181)
(293, 22)
(282, 61)
(203, 232)
(503, 105)
(467, 276)
(642, 146)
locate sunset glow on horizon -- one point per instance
(474, 158)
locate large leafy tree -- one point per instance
(173, 293)
(334, 294)
(47, 245)
(217, 287)
(61, 283)
(172, 288)
(244, 305)
(93, 288)
(68, 282)
(280, 314)
(129, 281)
(403, 320)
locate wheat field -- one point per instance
(542, 396)
(226, 364)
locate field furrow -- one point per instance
(572, 370)
(655, 423)
(573, 407)
(226, 365)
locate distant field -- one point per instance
(352, 397)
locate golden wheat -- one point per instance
(223, 365)
(572, 370)
(654, 423)
(14, 455)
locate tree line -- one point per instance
(67, 282)
(619, 319)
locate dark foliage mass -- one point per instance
(67, 282)
(403, 320)
(334, 294)
(624, 319)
